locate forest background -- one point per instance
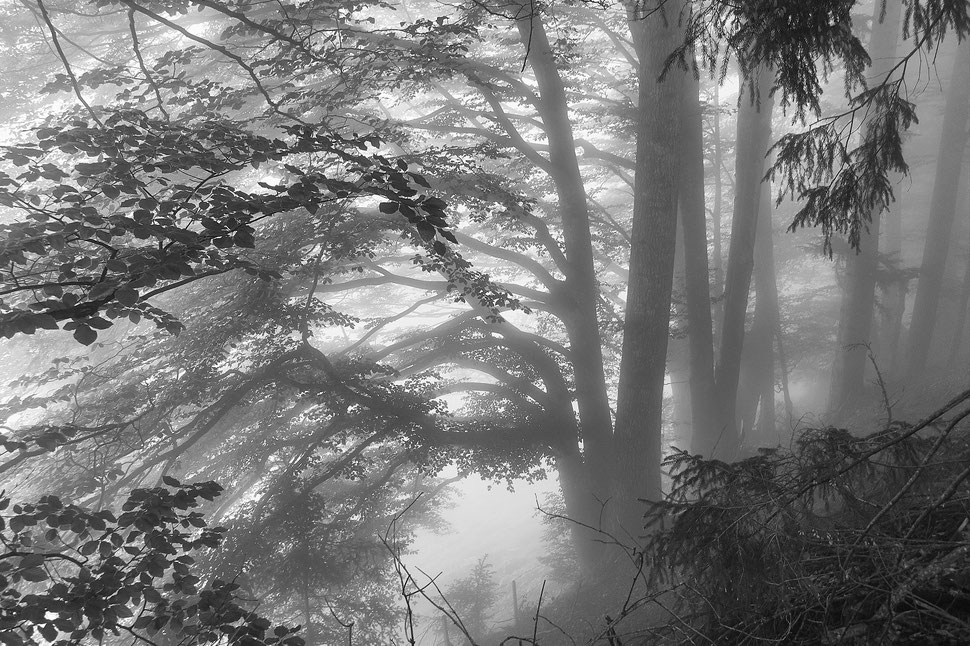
(335, 257)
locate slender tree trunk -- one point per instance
(656, 32)
(767, 315)
(858, 299)
(949, 166)
(955, 354)
(308, 610)
(893, 302)
(678, 353)
(581, 292)
(718, 209)
(696, 272)
(855, 323)
(754, 127)
(756, 404)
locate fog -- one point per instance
(422, 323)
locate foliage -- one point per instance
(840, 180)
(473, 596)
(841, 185)
(842, 539)
(803, 43)
(68, 574)
(152, 205)
(316, 454)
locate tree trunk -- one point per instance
(955, 347)
(858, 299)
(754, 128)
(581, 290)
(756, 403)
(949, 165)
(696, 269)
(656, 32)
(718, 209)
(855, 323)
(893, 301)
(678, 353)
(767, 317)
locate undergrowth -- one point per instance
(839, 540)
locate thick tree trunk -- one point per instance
(949, 166)
(581, 292)
(754, 128)
(696, 269)
(858, 299)
(639, 416)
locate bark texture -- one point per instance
(656, 32)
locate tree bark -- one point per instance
(754, 127)
(656, 32)
(949, 165)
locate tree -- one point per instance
(656, 32)
(953, 139)
(855, 323)
(346, 196)
(754, 127)
(756, 392)
(473, 596)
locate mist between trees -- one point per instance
(279, 280)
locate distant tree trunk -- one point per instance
(754, 127)
(307, 610)
(444, 631)
(718, 210)
(756, 393)
(678, 352)
(858, 298)
(656, 32)
(893, 301)
(696, 272)
(855, 323)
(783, 372)
(949, 165)
(955, 354)
(767, 314)
(581, 293)
(580, 506)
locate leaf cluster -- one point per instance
(68, 574)
(152, 205)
